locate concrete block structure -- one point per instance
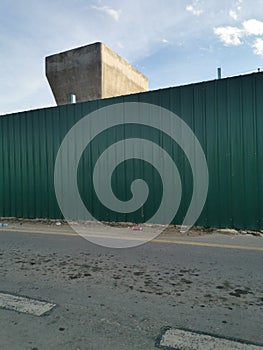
(92, 72)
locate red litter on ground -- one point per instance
(137, 228)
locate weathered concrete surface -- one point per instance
(117, 299)
(119, 77)
(24, 304)
(92, 72)
(187, 340)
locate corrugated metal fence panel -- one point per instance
(226, 116)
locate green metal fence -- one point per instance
(226, 116)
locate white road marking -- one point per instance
(24, 304)
(186, 340)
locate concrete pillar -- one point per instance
(92, 72)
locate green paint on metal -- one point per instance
(226, 116)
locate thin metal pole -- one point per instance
(72, 98)
(219, 73)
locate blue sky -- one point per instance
(173, 42)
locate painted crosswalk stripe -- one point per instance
(24, 304)
(188, 340)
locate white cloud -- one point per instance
(258, 47)
(194, 8)
(233, 14)
(230, 36)
(165, 41)
(115, 14)
(235, 11)
(253, 27)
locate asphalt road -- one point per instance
(120, 299)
